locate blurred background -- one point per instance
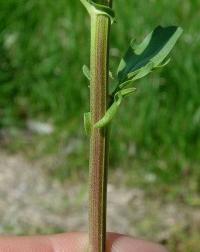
(154, 176)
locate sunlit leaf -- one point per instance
(141, 59)
(86, 72)
(111, 112)
(87, 122)
(99, 9)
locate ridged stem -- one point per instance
(100, 27)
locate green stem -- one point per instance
(100, 27)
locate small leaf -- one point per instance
(127, 91)
(99, 9)
(165, 63)
(86, 72)
(111, 75)
(111, 112)
(87, 122)
(151, 52)
(139, 74)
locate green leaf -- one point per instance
(86, 72)
(163, 64)
(111, 75)
(141, 59)
(98, 9)
(87, 122)
(111, 112)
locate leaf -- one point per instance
(98, 9)
(111, 112)
(140, 74)
(126, 91)
(111, 75)
(87, 122)
(86, 72)
(151, 52)
(165, 63)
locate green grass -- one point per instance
(43, 46)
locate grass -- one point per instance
(43, 46)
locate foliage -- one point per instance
(139, 61)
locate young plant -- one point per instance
(139, 60)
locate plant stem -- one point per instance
(100, 28)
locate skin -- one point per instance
(74, 242)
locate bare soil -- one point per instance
(30, 202)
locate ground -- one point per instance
(31, 202)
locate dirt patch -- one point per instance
(30, 203)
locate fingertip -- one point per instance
(70, 242)
(122, 243)
(75, 242)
